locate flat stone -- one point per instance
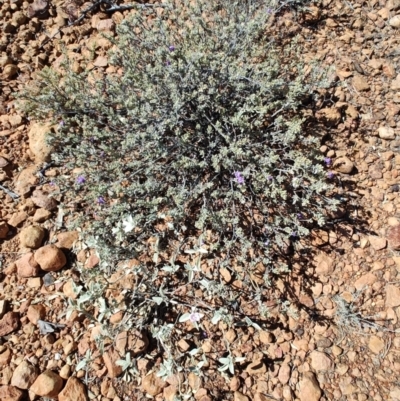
(74, 390)
(68, 290)
(101, 61)
(153, 385)
(346, 386)
(24, 375)
(309, 389)
(393, 236)
(9, 323)
(320, 361)
(26, 180)
(38, 145)
(266, 337)
(256, 368)
(42, 200)
(5, 357)
(27, 266)
(365, 280)
(392, 296)
(17, 219)
(386, 133)
(395, 394)
(377, 243)
(10, 393)
(376, 344)
(170, 393)
(110, 358)
(66, 239)
(284, 373)
(41, 215)
(360, 83)
(47, 384)
(324, 264)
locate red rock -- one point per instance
(32, 237)
(35, 313)
(26, 179)
(392, 296)
(3, 230)
(324, 264)
(393, 236)
(256, 368)
(38, 142)
(153, 385)
(9, 323)
(27, 266)
(66, 239)
(343, 165)
(110, 358)
(309, 389)
(74, 390)
(17, 219)
(284, 373)
(50, 258)
(24, 375)
(320, 361)
(238, 396)
(365, 280)
(138, 342)
(42, 199)
(10, 393)
(377, 243)
(5, 357)
(48, 384)
(92, 261)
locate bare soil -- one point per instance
(339, 340)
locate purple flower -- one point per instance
(328, 161)
(239, 178)
(171, 48)
(80, 179)
(293, 234)
(101, 201)
(168, 62)
(269, 178)
(269, 10)
(52, 183)
(195, 317)
(267, 242)
(101, 154)
(331, 175)
(62, 123)
(299, 216)
(203, 334)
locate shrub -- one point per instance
(196, 144)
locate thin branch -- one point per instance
(10, 193)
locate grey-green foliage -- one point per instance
(202, 100)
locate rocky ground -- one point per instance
(339, 341)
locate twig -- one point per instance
(113, 8)
(10, 193)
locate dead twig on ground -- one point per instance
(10, 193)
